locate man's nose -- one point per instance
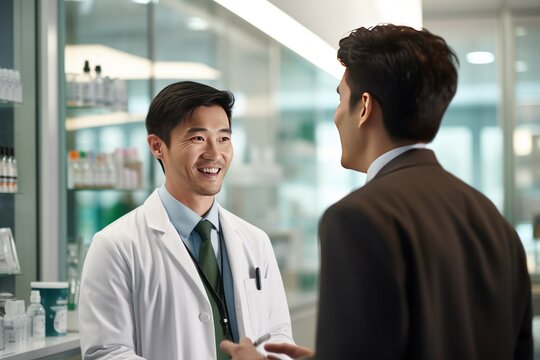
(211, 152)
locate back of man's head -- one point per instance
(411, 73)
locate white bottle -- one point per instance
(74, 170)
(21, 325)
(9, 170)
(87, 177)
(3, 170)
(89, 94)
(108, 92)
(10, 322)
(36, 313)
(99, 87)
(119, 161)
(1, 333)
(13, 172)
(112, 172)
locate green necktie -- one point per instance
(208, 264)
(207, 257)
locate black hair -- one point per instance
(176, 103)
(411, 73)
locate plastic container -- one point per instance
(5, 296)
(36, 314)
(22, 323)
(10, 324)
(1, 333)
(15, 324)
(54, 298)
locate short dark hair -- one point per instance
(411, 73)
(177, 102)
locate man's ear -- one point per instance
(366, 104)
(155, 144)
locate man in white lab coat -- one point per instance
(177, 275)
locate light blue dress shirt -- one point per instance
(388, 156)
(184, 221)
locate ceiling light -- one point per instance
(184, 70)
(123, 65)
(197, 24)
(522, 142)
(283, 28)
(144, 2)
(480, 57)
(521, 31)
(521, 66)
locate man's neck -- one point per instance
(199, 204)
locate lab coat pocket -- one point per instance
(257, 305)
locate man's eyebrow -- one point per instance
(337, 89)
(200, 129)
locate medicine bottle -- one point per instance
(36, 313)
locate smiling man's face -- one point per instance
(199, 154)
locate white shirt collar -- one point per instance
(388, 156)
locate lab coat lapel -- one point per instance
(234, 242)
(158, 220)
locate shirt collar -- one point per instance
(183, 218)
(388, 156)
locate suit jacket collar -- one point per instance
(414, 157)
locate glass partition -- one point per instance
(469, 143)
(526, 136)
(287, 153)
(107, 74)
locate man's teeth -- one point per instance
(210, 170)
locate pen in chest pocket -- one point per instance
(258, 281)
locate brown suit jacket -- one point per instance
(419, 265)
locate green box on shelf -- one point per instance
(54, 298)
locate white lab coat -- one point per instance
(141, 296)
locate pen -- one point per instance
(262, 339)
(258, 278)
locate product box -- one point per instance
(54, 298)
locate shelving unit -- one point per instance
(18, 210)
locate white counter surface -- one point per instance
(35, 350)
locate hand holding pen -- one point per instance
(247, 350)
(262, 339)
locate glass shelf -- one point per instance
(7, 103)
(81, 110)
(92, 117)
(14, 274)
(110, 189)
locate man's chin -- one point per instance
(344, 163)
(209, 192)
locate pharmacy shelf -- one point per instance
(13, 274)
(58, 347)
(100, 118)
(8, 103)
(110, 189)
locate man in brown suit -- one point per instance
(416, 264)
